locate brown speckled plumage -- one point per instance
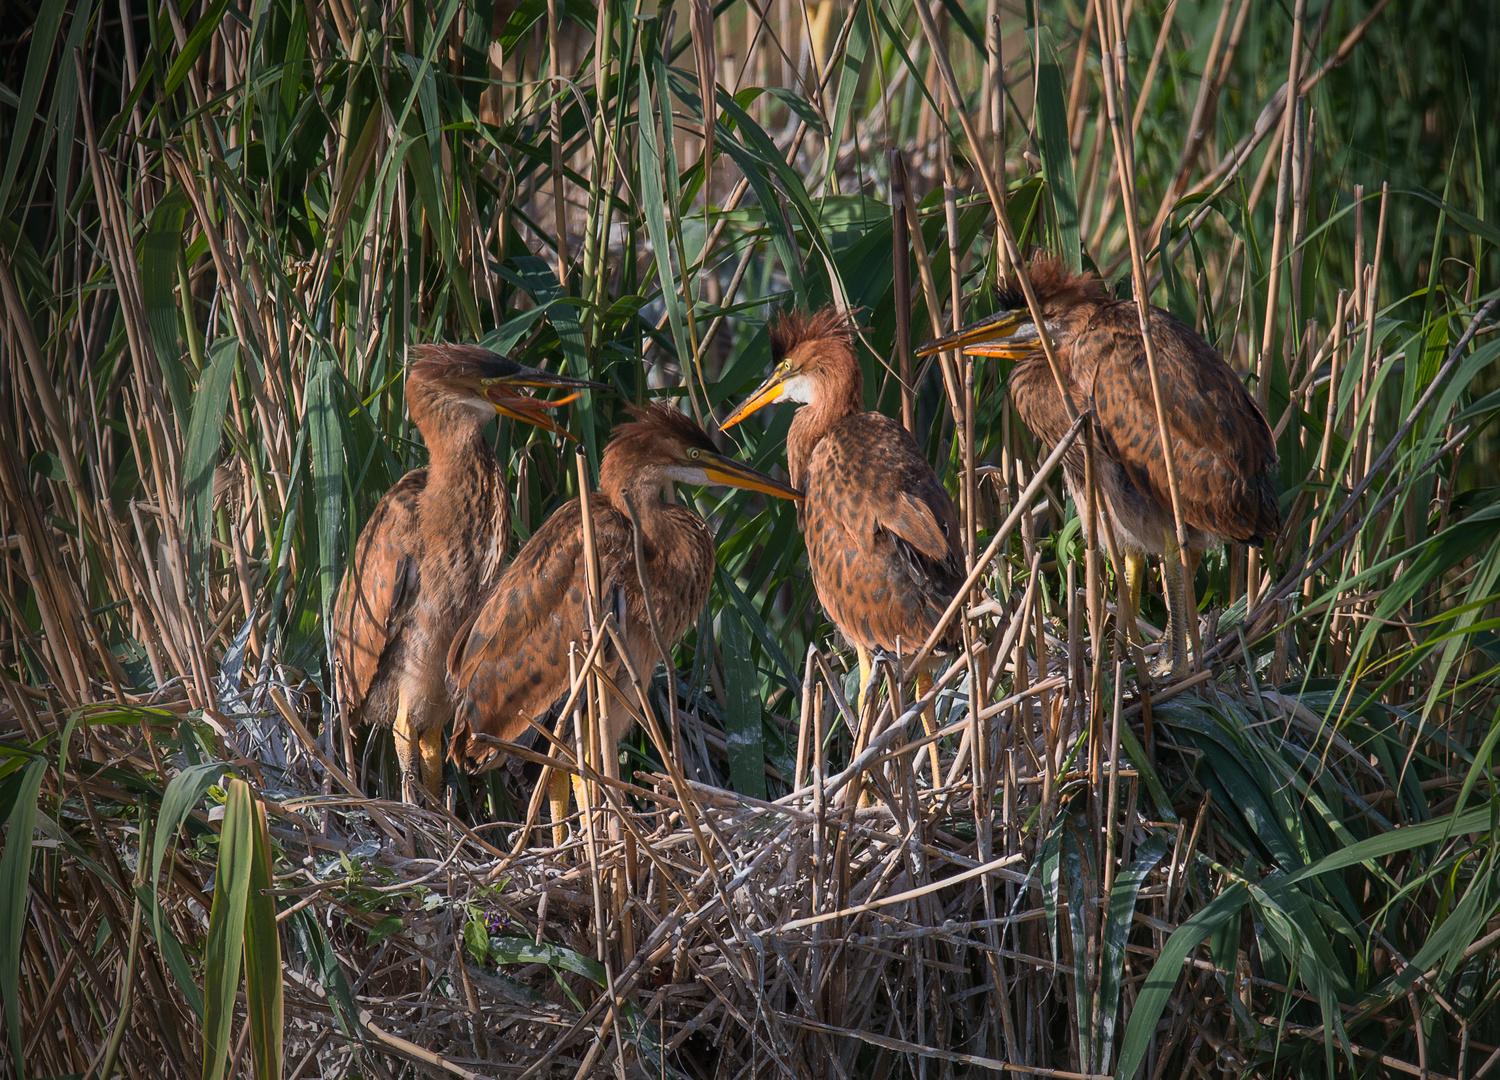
(434, 545)
(882, 534)
(511, 665)
(433, 548)
(1222, 446)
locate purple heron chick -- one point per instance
(433, 547)
(1222, 448)
(882, 534)
(509, 667)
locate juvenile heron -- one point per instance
(510, 666)
(882, 534)
(1222, 447)
(433, 547)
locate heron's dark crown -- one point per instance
(658, 430)
(441, 362)
(1058, 289)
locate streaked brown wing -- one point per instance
(378, 590)
(510, 664)
(882, 534)
(1221, 444)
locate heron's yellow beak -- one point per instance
(989, 337)
(528, 409)
(767, 393)
(719, 469)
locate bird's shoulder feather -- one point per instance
(871, 466)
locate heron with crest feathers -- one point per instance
(882, 534)
(1222, 447)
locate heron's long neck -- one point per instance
(454, 434)
(839, 393)
(622, 485)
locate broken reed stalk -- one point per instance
(901, 287)
(1112, 30)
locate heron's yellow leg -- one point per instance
(1135, 581)
(1190, 593)
(406, 750)
(431, 743)
(929, 724)
(865, 663)
(1177, 589)
(557, 797)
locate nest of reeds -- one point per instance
(893, 902)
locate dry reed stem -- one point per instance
(1112, 30)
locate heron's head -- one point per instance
(813, 356)
(473, 379)
(1066, 300)
(661, 445)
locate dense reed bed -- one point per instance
(223, 223)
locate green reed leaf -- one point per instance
(15, 872)
(223, 951)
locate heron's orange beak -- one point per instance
(719, 469)
(528, 409)
(989, 337)
(767, 393)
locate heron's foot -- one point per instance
(1171, 661)
(413, 790)
(1168, 669)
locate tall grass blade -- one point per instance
(38, 60)
(202, 454)
(1159, 984)
(325, 418)
(263, 994)
(654, 202)
(159, 252)
(15, 872)
(1056, 149)
(1118, 919)
(224, 948)
(747, 753)
(184, 793)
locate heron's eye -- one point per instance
(489, 382)
(693, 453)
(786, 367)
